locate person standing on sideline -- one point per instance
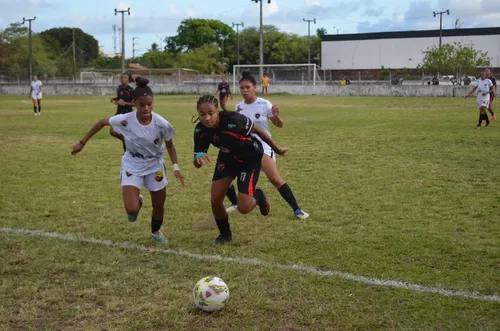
(224, 91)
(143, 162)
(265, 83)
(124, 102)
(484, 86)
(36, 95)
(490, 76)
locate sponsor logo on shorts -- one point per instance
(159, 176)
(221, 166)
(128, 174)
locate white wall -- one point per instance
(396, 53)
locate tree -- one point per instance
(457, 59)
(61, 40)
(204, 59)
(195, 33)
(320, 32)
(154, 47)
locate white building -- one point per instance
(400, 49)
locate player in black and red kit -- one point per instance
(224, 91)
(490, 76)
(124, 101)
(240, 156)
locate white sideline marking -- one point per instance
(260, 263)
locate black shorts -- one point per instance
(222, 96)
(247, 172)
(123, 110)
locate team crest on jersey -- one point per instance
(156, 141)
(238, 109)
(159, 176)
(124, 123)
(257, 115)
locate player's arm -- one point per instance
(172, 153)
(470, 93)
(40, 86)
(263, 134)
(95, 129)
(276, 119)
(201, 145)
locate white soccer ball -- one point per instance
(210, 294)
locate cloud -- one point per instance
(172, 9)
(191, 12)
(310, 3)
(373, 12)
(270, 9)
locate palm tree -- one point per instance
(320, 32)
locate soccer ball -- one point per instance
(210, 294)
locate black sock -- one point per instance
(258, 196)
(286, 193)
(480, 119)
(223, 225)
(486, 118)
(231, 195)
(39, 108)
(155, 225)
(34, 109)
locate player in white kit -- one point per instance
(143, 162)
(36, 95)
(484, 87)
(261, 112)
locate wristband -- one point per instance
(81, 142)
(176, 167)
(198, 155)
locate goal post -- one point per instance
(289, 78)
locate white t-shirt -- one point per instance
(36, 86)
(259, 112)
(483, 86)
(144, 143)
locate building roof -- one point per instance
(412, 34)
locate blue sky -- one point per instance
(150, 20)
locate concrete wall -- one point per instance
(299, 89)
(396, 53)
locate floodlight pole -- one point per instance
(133, 46)
(29, 20)
(447, 11)
(261, 71)
(123, 34)
(238, 40)
(309, 41)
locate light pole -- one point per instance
(133, 46)
(337, 30)
(29, 20)
(261, 71)
(238, 40)
(309, 41)
(123, 34)
(447, 11)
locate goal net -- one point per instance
(284, 78)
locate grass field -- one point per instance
(399, 189)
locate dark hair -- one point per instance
(142, 88)
(207, 98)
(129, 74)
(246, 76)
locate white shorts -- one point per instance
(483, 103)
(36, 96)
(269, 151)
(152, 182)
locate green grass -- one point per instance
(397, 188)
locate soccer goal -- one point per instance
(284, 78)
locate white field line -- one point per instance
(260, 263)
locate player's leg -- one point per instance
(490, 108)
(231, 195)
(270, 168)
(218, 191)
(249, 195)
(132, 199)
(156, 183)
(35, 102)
(39, 102)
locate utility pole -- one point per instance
(337, 30)
(261, 71)
(29, 20)
(74, 56)
(114, 38)
(238, 38)
(447, 11)
(133, 46)
(309, 41)
(123, 33)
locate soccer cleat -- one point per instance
(220, 240)
(263, 205)
(494, 117)
(36, 114)
(231, 208)
(299, 213)
(159, 237)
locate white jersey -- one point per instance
(483, 86)
(260, 111)
(36, 87)
(144, 143)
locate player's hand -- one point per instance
(77, 148)
(276, 111)
(111, 99)
(282, 151)
(203, 160)
(179, 176)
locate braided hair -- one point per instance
(247, 76)
(207, 98)
(142, 88)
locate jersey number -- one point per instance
(243, 175)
